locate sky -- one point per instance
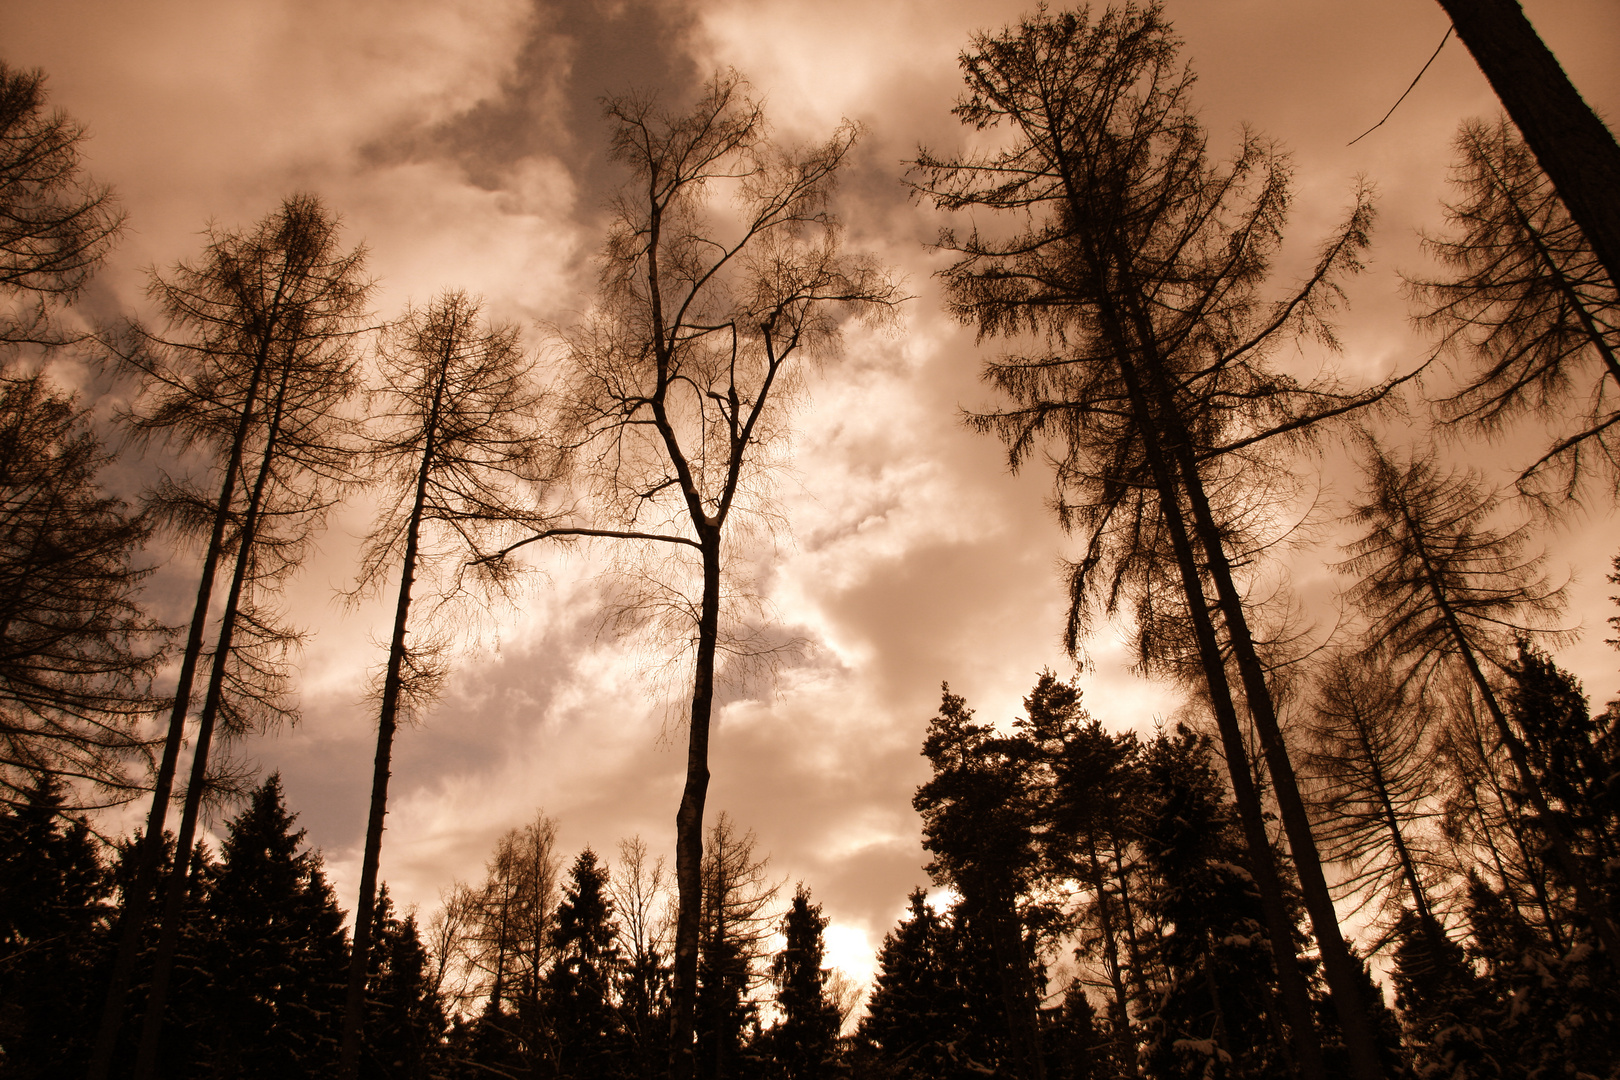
(462, 142)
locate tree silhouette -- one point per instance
(1528, 307)
(56, 224)
(802, 1043)
(1368, 751)
(76, 652)
(737, 922)
(681, 376)
(1572, 144)
(1136, 273)
(448, 426)
(278, 950)
(260, 357)
(980, 820)
(586, 1032)
(1441, 587)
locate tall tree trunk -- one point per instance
(1576, 151)
(689, 818)
(1291, 983)
(180, 873)
(354, 1010)
(149, 855)
(1343, 973)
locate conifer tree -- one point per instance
(980, 819)
(261, 355)
(76, 652)
(1218, 1015)
(1528, 310)
(1133, 272)
(55, 910)
(278, 951)
(936, 1007)
(56, 224)
(586, 1034)
(1442, 588)
(403, 1013)
(737, 921)
(447, 428)
(802, 1044)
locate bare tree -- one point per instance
(738, 920)
(56, 224)
(640, 891)
(682, 376)
(259, 360)
(1441, 588)
(1528, 309)
(451, 430)
(1135, 274)
(1369, 758)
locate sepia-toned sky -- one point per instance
(462, 141)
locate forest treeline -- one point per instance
(1107, 904)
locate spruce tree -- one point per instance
(278, 950)
(804, 1041)
(1218, 1015)
(405, 1022)
(54, 918)
(587, 1037)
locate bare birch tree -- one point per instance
(707, 316)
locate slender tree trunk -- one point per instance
(1343, 974)
(354, 1010)
(1111, 962)
(689, 818)
(1576, 151)
(180, 873)
(1291, 983)
(149, 855)
(1386, 806)
(1551, 821)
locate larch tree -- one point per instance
(1442, 587)
(450, 434)
(77, 653)
(1372, 777)
(1528, 311)
(738, 919)
(709, 314)
(258, 357)
(1133, 268)
(56, 223)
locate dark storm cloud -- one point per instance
(575, 53)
